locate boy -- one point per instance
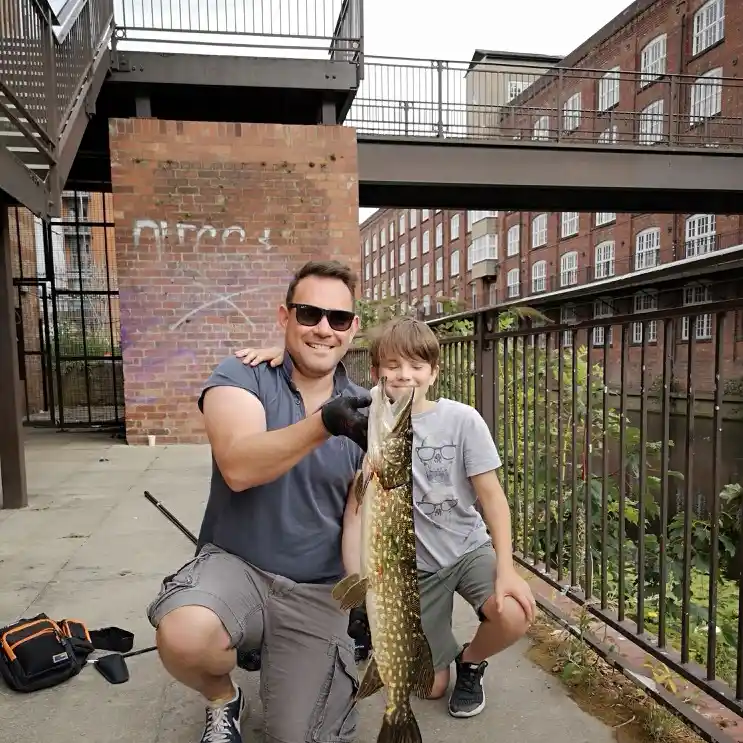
(454, 466)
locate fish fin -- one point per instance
(340, 588)
(371, 682)
(400, 726)
(361, 485)
(425, 673)
(355, 594)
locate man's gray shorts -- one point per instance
(308, 670)
(473, 578)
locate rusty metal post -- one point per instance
(12, 457)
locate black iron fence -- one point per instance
(621, 441)
(507, 101)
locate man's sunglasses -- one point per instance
(309, 315)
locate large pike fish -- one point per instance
(401, 658)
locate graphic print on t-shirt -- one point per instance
(437, 464)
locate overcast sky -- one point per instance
(410, 28)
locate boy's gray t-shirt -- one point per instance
(451, 443)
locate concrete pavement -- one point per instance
(90, 546)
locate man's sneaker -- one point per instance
(223, 721)
(468, 697)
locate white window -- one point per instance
(645, 301)
(376, 292)
(426, 274)
(601, 308)
(541, 128)
(382, 238)
(392, 258)
(367, 293)
(375, 267)
(478, 216)
(439, 234)
(706, 96)
(653, 60)
(374, 243)
(425, 213)
(609, 135)
(609, 90)
(367, 272)
(703, 324)
(570, 224)
(512, 283)
(401, 227)
(571, 113)
(392, 287)
(514, 235)
(605, 218)
(647, 248)
(454, 264)
(384, 290)
(701, 234)
(427, 304)
(426, 242)
(492, 295)
(383, 262)
(539, 277)
(413, 279)
(413, 218)
(567, 317)
(401, 280)
(440, 268)
(366, 247)
(454, 227)
(604, 260)
(413, 248)
(539, 231)
(569, 269)
(709, 25)
(392, 231)
(401, 256)
(483, 248)
(652, 122)
(516, 88)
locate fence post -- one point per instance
(440, 87)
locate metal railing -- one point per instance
(498, 101)
(620, 439)
(322, 26)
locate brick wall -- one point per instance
(211, 221)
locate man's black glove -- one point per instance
(342, 417)
(359, 632)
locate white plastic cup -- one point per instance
(151, 440)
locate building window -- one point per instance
(516, 88)
(567, 317)
(609, 135)
(653, 60)
(401, 227)
(392, 258)
(706, 96)
(383, 238)
(701, 234)
(703, 323)
(652, 122)
(454, 264)
(514, 235)
(454, 227)
(609, 90)
(570, 224)
(413, 248)
(539, 231)
(366, 247)
(426, 274)
(413, 279)
(375, 267)
(374, 243)
(392, 287)
(709, 25)
(541, 128)
(569, 269)
(647, 249)
(426, 242)
(601, 308)
(477, 216)
(492, 294)
(645, 301)
(605, 218)
(440, 268)
(427, 304)
(571, 110)
(539, 277)
(439, 234)
(376, 292)
(425, 213)
(512, 283)
(413, 218)
(483, 248)
(392, 231)
(401, 257)
(402, 279)
(604, 260)
(383, 263)
(367, 272)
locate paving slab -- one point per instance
(91, 546)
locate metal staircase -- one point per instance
(54, 56)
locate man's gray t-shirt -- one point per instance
(291, 526)
(451, 443)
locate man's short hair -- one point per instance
(324, 269)
(404, 337)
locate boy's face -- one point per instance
(403, 373)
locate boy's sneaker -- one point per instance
(468, 697)
(223, 721)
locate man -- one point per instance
(286, 442)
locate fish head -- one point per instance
(390, 436)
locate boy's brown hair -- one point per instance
(404, 337)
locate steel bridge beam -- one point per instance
(536, 176)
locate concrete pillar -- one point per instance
(12, 458)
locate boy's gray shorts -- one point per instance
(308, 670)
(473, 578)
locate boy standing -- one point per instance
(454, 466)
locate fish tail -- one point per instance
(399, 726)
